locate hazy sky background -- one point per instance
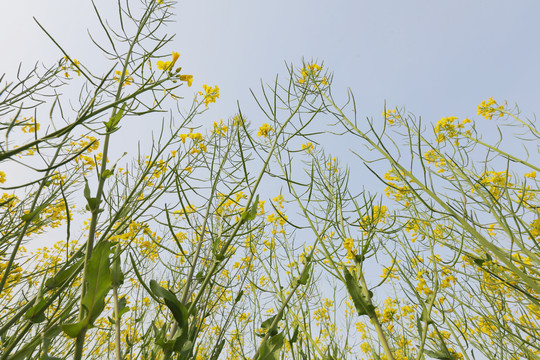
(437, 58)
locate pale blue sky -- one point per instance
(436, 58)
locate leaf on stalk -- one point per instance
(36, 313)
(33, 214)
(362, 304)
(271, 349)
(62, 276)
(178, 310)
(250, 214)
(217, 350)
(98, 285)
(439, 355)
(111, 125)
(117, 276)
(305, 275)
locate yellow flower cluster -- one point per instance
(198, 144)
(73, 65)
(531, 175)
(14, 277)
(85, 160)
(219, 128)
(378, 215)
(496, 182)
(333, 165)
(308, 147)
(2, 177)
(390, 273)
(422, 287)
(127, 79)
(400, 192)
(445, 128)
(168, 66)
(389, 312)
(264, 130)
(322, 314)
(391, 116)
(30, 126)
(187, 78)
(311, 70)
(55, 214)
(433, 157)
(348, 244)
(211, 94)
(534, 229)
(489, 108)
(237, 120)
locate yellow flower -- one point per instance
(531, 175)
(188, 78)
(175, 57)
(163, 65)
(348, 244)
(2, 177)
(168, 65)
(210, 94)
(308, 147)
(264, 130)
(488, 108)
(219, 128)
(30, 128)
(127, 78)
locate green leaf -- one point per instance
(178, 310)
(439, 355)
(217, 350)
(362, 304)
(117, 276)
(220, 257)
(166, 345)
(295, 335)
(419, 326)
(122, 307)
(106, 174)
(271, 349)
(114, 120)
(194, 309)
(268, 322)
(87, 194)
(200, 277)
(239, 296)
(36, 313)
(425, 316)
(266, 325)
(62, 276)
(250, 214)
(33, 214)
(305, 275)
(98, 285)
(186, 350)
(74, 329)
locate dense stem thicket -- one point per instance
(180, 251)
